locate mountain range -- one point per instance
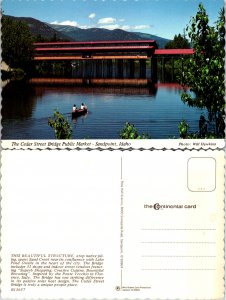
(71, 33)
(101, 34)
(40, 28)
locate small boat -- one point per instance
(79, 112)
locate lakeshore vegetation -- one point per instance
(204, 72)
(17, 46)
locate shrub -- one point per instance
(130, 132)
(61, 126)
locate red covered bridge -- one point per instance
(131, 49)
(108, 59)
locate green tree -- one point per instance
(130, 132)
(17, 44)
(179, 42)
(61, 126)
(55, 38)
(183, 129)
(204, 72)
(40, 39)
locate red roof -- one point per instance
(134, 48)
(173, 51)
(97, 42)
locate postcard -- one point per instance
(112, 225)
(112, 149)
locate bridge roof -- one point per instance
(107, 48)
(173, 51)
(96, 42)
(130, 46)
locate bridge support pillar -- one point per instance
(94, 68)
(98, 69)
(78, 69)
(109, 69)
(173, 68)
(126, 68)
(105, 73)
(142, 68)
(131, 68)
(87, 69)
(103, 69)
(154, 68)
(163, 68)
(83, 68)
(91, 68)
(120, 68)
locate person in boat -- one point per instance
(74, 108)
(83, 106)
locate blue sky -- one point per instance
(164, 18)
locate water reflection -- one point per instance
(155, 109)
(18, 101)
(116, 86)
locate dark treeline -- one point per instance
(179, 42)
(18, 47)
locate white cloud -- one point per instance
(125, 27)
(110, 26)
(69, 23)
(106, 21)
(140, 27)
(92, 16)
(113, 23)
(85, 26)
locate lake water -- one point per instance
(155, 110)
